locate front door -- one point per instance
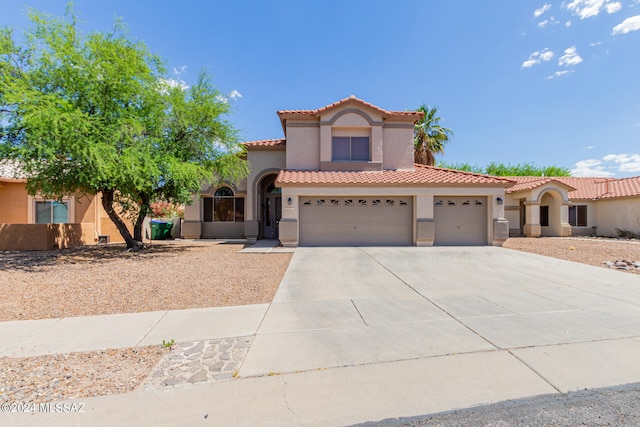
(272, 215)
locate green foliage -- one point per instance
(168, 344)
(500, 169)
(462, 167)
(97, 114)
(429, 137)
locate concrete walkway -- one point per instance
(71, 334)
(364, 334)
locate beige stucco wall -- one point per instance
(42, 237)
(262, 163)
(13, 199)
(623, 213)
(512, 214)
(303, 146)
(398, 148)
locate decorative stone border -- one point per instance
(199, 362)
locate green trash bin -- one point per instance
(160, 230)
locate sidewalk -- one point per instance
(63, 335)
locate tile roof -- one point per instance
(584, 188)
(266, 144)
(524, 183)
(421, 175)
(351, 100)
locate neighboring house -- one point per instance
(546, 206)
(344, 175)
(34, 223)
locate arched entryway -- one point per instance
(269, 207)
(550, 215)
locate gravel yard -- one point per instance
(106, 279)
(75, 375)
(593, 251)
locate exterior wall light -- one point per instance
(499, 200)
(289, 201)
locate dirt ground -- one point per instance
(593, 251)
(106, 279)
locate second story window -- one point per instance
(350, 149)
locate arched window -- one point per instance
(223, 207)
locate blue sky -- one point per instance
(548, 82)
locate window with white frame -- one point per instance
(51, 212)
(578, 216)
(223, 207)
(350, 149)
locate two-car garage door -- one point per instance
(356, 221)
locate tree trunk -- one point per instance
(142, 214)
(107, 204)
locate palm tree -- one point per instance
(429, 138)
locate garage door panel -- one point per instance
(350, 221)
(460, 220)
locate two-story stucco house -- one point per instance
(344, 175)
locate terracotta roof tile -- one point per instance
(421, 175)
(265, 144)
(524, 183)
(352, 99)
(584, 188)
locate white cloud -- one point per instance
(613, 7)
(551, 20)
(570, 57)
(630, 167)
(620, 162)
(627, 162)
(172, 83)
(559, 74)
(537, 57)
(590, 8)
(233, 95)
(543, 9)
(567, 24)
(180, 70)
(589, 167)
(595, 44)
(590, 147)
(622, 158)
(628, 25)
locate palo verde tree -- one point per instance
(96, 113)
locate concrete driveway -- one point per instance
(515, 323)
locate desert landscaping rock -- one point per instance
(173, 275)
(600, 252)
(75, 375)
(197, 362)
